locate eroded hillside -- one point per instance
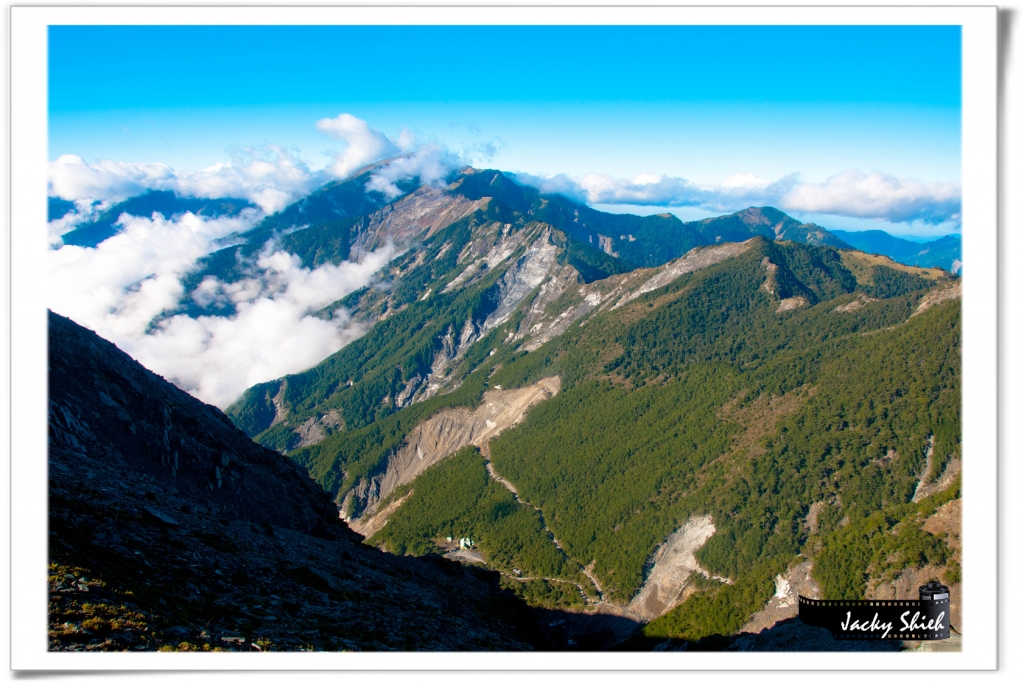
(438, 437)
(765, 377)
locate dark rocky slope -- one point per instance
(170, 529)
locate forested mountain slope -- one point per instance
(748, 382)
(479, 240)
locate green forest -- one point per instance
(696, 398)
(636, 444)
(458, 499)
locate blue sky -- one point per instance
(715, 106)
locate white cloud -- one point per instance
(270, 177)
(72, 178)
(365, 144)
(556, 184)
(84, 211)
(647, 189)
(406, 140)
(272, 334)
(647, 179)
(133, 278)
(119, 287)
(877, 195)
(430, 164)
(852, 193)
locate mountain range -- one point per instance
(633, 240)
(945, 252)
(168, 204)
(662, 423)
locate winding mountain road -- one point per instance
(485, 450)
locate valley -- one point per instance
(665, 427)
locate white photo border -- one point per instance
(28, 182)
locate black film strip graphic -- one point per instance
(924, 619)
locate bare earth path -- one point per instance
(485, 450)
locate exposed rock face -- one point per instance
(934, 482)
(542, 325)
(518, 281)
(482, 257)
(791, 304)
(672, 564)
(373, 522)
(770, 285)
(106, 408)
(606, 244)
(854, 305)
(444, 434)
(418, 214)
(783, 605)
(693, 260)
(316, 429)
(529, 271)
(953, 291)
(169, 528)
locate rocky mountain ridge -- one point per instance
(491, 219)
(171, 530)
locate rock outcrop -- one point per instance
(671, 565)
(442, 435)
(170, 529)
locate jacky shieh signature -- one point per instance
(917, 623)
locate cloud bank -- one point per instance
(878, 195)
(851, 193)
(122, 285)
(270, 177)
